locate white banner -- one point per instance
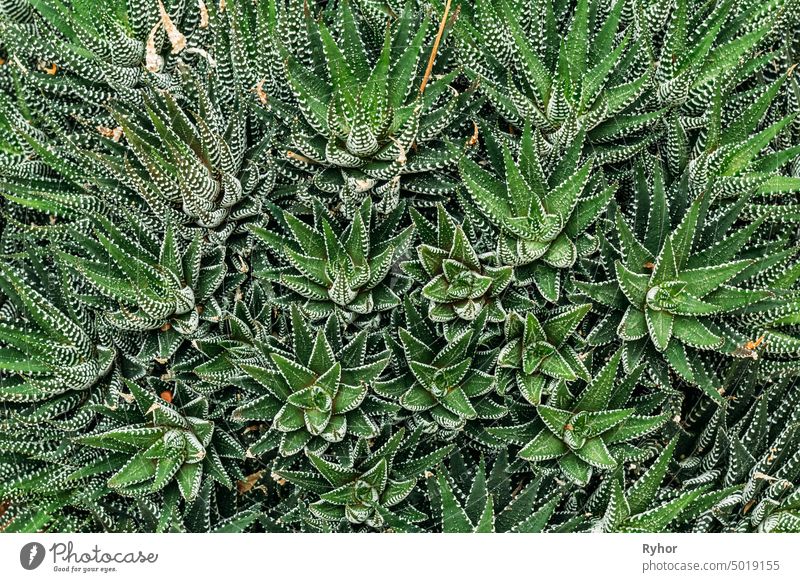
(412, 557)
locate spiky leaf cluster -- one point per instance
(457, 283)
(315, 385)
(347, 273)
(541, 208)
(368, 123)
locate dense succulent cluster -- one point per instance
(418, 265)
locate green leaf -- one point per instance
(659, 324)
(702, 281)
(538, 521)
(559, 328)
(454, 518)
(633, 285)
(188, 478)
(692, 332)
(575, 469)
(458, 403)
(138, 469)
(596, 454)
(658, 518)
(544, 446)
(296, 375)
(643, 492)
(597, 394)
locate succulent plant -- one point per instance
(593, 81)
(315, 387)
(666, 293)
(210, 173)
(542, 219)
(365, 126)
(457, 282)
(446, 378)
(365, 490)
(77, 56)
(598, 69)
(46, 356)
(170, 444)
(583, 433)
(536, 354)
(637, 509)
(145, 291)
(756, 461)
(489, 506)
(347, 273)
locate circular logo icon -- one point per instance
(31, 555)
